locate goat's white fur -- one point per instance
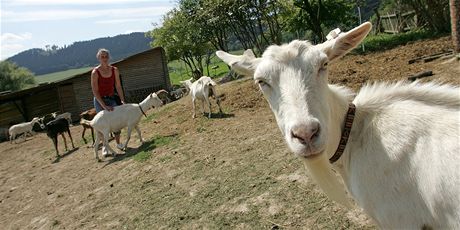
(66, 115)
(22, 128)
(402, 158)
(200, 90)
(126, 115)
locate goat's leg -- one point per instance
(193, 107)
(71, 140)
(83, 135)
(96, 144)
(128, 136)
(209, 106)
(202, 107)
(139, 133)
(65, 142)
(92, 134)
(218, 104)
(106, 144)
(55, 142)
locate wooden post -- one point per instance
(455, 23)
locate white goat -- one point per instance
(23, 128)
(401, 163)
(126, 115)
(66, 115)
(202, 89)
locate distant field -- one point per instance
(52, 77)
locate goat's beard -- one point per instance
(321, 171)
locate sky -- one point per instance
(27, 24)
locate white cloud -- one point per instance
(12, 43)
(81, 2)
(65, 14)
(11, 38)
(123, 20)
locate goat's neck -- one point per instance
(320, 168)
(339, 100)
(145, 105)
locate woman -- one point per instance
(103, 79)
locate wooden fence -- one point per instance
(398, 23)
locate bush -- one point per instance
(388, 41)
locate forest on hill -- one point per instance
(81, 53)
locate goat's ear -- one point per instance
(345, 42)
(244, 64)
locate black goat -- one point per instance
(56, 127)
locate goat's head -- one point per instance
(293, 79)
(187, 83)
(154, 101)
(39, 121)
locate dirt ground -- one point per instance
(229, 172)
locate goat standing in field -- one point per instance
(396, 146)
(202, 89)
(87, 115)
(23, 128)
(126, 115)
(57, 127)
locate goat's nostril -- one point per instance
(305, 133)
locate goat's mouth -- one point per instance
(309, 152)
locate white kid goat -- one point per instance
(126, 115)
(202, 89)
(23, 128)
(401, 163)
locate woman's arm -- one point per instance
(118, 86)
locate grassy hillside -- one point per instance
(52, 77)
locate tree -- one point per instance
(317, 15)
(13, 77)
(434, 13)
(455, 24)
(182, 39)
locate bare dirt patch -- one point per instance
(226, 172)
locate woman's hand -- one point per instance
(108, 108)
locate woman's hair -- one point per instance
(102, 50)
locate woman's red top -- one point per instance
(106, 84)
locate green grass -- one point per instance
(387, 41)
(178, 72)
(145, 151)
(57, 76)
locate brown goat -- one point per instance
(88, 115)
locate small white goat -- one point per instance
(23, 128)
(402, 160)
(202, 89)
(126, 115)
(66, 115)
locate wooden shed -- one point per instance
(140, 74)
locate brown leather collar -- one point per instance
(142, 110)
(345, 133)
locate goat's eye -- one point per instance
(262, 83)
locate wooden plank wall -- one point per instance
(68, 102)
(10, 115)
(41, 103)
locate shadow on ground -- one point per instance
(65, 154)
